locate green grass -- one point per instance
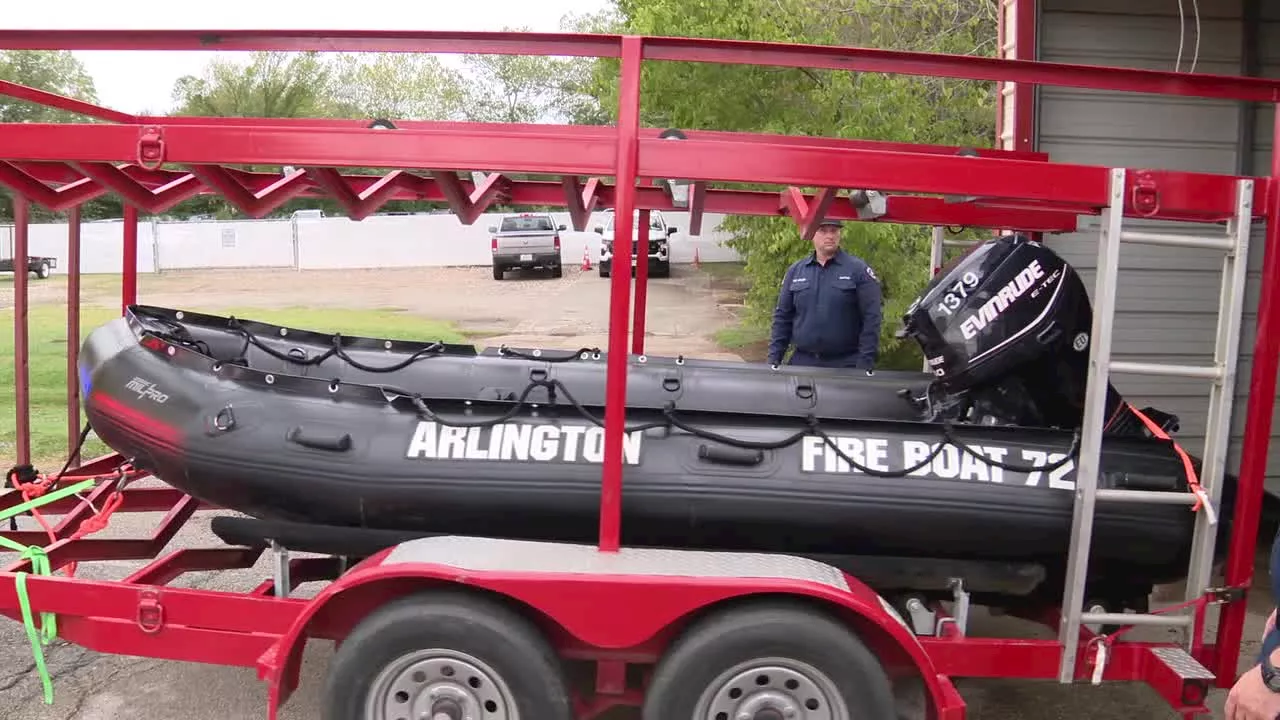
(47, 332)
(748, 342)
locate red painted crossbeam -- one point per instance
(563, 150)
(710, 50)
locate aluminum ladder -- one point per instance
(1221, 374)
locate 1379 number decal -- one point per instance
(959, 291)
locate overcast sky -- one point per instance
(136, 82)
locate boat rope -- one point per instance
(672, 419)
(40, 636)
(335, 350)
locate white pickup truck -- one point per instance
(526, 241)
(659, 251)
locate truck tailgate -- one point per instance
(518, 241)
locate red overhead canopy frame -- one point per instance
(153, 163)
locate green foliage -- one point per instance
(862, 105)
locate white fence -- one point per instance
(384, 241)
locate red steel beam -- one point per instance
(62, 102)
(640, 306)
(615, 410)
(557, 150)
(157, 190)
(738, 52)
(593, 131)
(21, 349)
(1256, 444)
(73, 335)
(1180, 194)
(129, 273)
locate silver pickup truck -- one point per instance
(526, 241)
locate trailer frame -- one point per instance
(60, 166)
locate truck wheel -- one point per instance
(663, 270)
(557, 271)
(498, 272)
(445, 654)
(42, 271)
(768, 660)
(604, 273)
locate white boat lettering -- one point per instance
(1001, 301)
(894, 456)
(524, 442)
(146, 390)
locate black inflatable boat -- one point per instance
(905, 478)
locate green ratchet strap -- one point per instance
(40, 566)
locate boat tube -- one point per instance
(971, 465)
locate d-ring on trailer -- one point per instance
(471, 627)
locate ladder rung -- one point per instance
(1145, 496)
(1134, 619)
(1206, 372)
(1171, 240)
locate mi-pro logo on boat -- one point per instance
(511, 442)
(888, 455)
(1004, 297)
(146, 390)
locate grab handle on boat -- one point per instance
(730, 455)
(341, 443)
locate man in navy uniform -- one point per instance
(829, 308)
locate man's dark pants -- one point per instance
(807, 359)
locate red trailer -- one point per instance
(474, 627)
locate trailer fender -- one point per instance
(603, 606)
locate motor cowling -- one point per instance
(1008, 323)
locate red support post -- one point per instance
(73, 334)
(642, 283)
(615, 413)
(129, 276)
(1257, 438)
(21, 348)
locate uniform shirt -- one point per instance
(831, 310)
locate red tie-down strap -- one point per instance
(1193, 480)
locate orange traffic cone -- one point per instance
(586, 259)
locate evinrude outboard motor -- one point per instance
(1005, 330)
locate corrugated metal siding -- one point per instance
(1168, 297)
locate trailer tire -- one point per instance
(780, 655)
(445, 647)
(42, 270)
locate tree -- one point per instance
(398, 85)
(512, 88)
(55, 71)
(814, 102)
(272, 84)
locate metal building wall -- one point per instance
(1168, 297)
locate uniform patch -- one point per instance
(872, 274)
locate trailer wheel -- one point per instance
(445, 655)
(42, 271)
(765, 662)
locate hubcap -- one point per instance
(439, 685)
(772, 689)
